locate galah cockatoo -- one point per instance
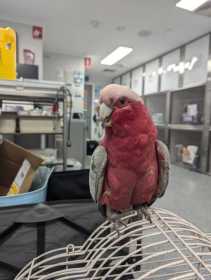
(130, 167)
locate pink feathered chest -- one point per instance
(132, 173)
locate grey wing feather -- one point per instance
(97, 171)
(164, 166)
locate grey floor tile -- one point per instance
(189, 195)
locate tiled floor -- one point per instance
(189, 195)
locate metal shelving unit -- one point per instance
(38, 92)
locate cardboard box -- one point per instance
(17, 166)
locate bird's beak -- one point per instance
(105, 115)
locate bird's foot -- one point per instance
(143, 212)
(117, 222)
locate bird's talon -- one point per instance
(115, 227)
(143, 213)
(122, 223)
(140, 214)
(116, 223)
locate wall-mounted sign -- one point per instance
(87, 62)
(170, 67)
(194, 69)
(37, 32)
(137, 80)
(78, 78)
(180, 67)
(200, 51)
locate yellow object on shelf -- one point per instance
(7, 54)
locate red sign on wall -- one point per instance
(37, 32)
(87, 62)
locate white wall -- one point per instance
(26, 41)
(98, 80)
(69, 69)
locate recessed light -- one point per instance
(190, 5)
(116, 55)
(95, 23)
(169, 29)
(107, 70)
(144, 33)
(121, 28)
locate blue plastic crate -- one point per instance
(37, 194)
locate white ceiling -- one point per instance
(68, 29)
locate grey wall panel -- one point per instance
(161, 134)
(77, 135)
(156, 104)
(126, 79)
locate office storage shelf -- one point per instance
(184, 138)
(173, 130)
(189, 88)
(181, 99)
(186, 127)
(187, 134)
(39, 117)
(27, 92)
(182, 94)
(15, 116)
(32, 133)
(160, 125)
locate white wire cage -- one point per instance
(168, 248)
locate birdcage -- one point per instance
(167, 248)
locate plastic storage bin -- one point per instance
(39, 125)
(7, 125)
(37, 194)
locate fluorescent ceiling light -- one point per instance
(116, 55)
(190, 5)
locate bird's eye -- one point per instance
(122, 100)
